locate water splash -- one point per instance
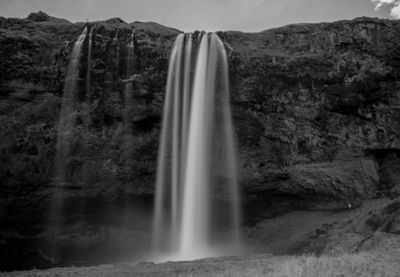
(196, 190)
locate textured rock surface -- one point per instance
(316, 110)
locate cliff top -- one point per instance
(43, 18)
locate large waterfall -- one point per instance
(65, 135)
(197, 199)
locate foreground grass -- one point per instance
(347, 265)
(362, 264)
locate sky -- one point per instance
(209, 15)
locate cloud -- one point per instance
(396, 11)
(394, 6)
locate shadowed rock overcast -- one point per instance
(210, 15)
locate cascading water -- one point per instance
(89, 62)
(196, 190)
(64, 138)
(127, 99)
(131, 55)
(88, 79)
(127, 128)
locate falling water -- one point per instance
(88, 79)
(127, 97)
(196, 186)
(127, 128)
(115, 39)
(89, 62)
(65, 135)
(131, 55)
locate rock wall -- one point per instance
(316, 107)
(316, 111)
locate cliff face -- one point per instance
(316, 106)
(316, 110)
(102, 171)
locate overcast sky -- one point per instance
(209, 15)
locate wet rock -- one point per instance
(343, 180)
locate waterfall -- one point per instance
(89, 63)
(131, 55)
(88, 80)
(64, 138)
(127, 98)
(115, 39)
(196, 190)
(127, 128)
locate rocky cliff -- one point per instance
(316, 111)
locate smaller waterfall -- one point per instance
(89, 63)
(115, 39)
(64, 138)
(88, 80)
(114, 63)
(127, 96)
(196, 191)
(127, 128)
(131, 55)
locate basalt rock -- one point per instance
(316, 107)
